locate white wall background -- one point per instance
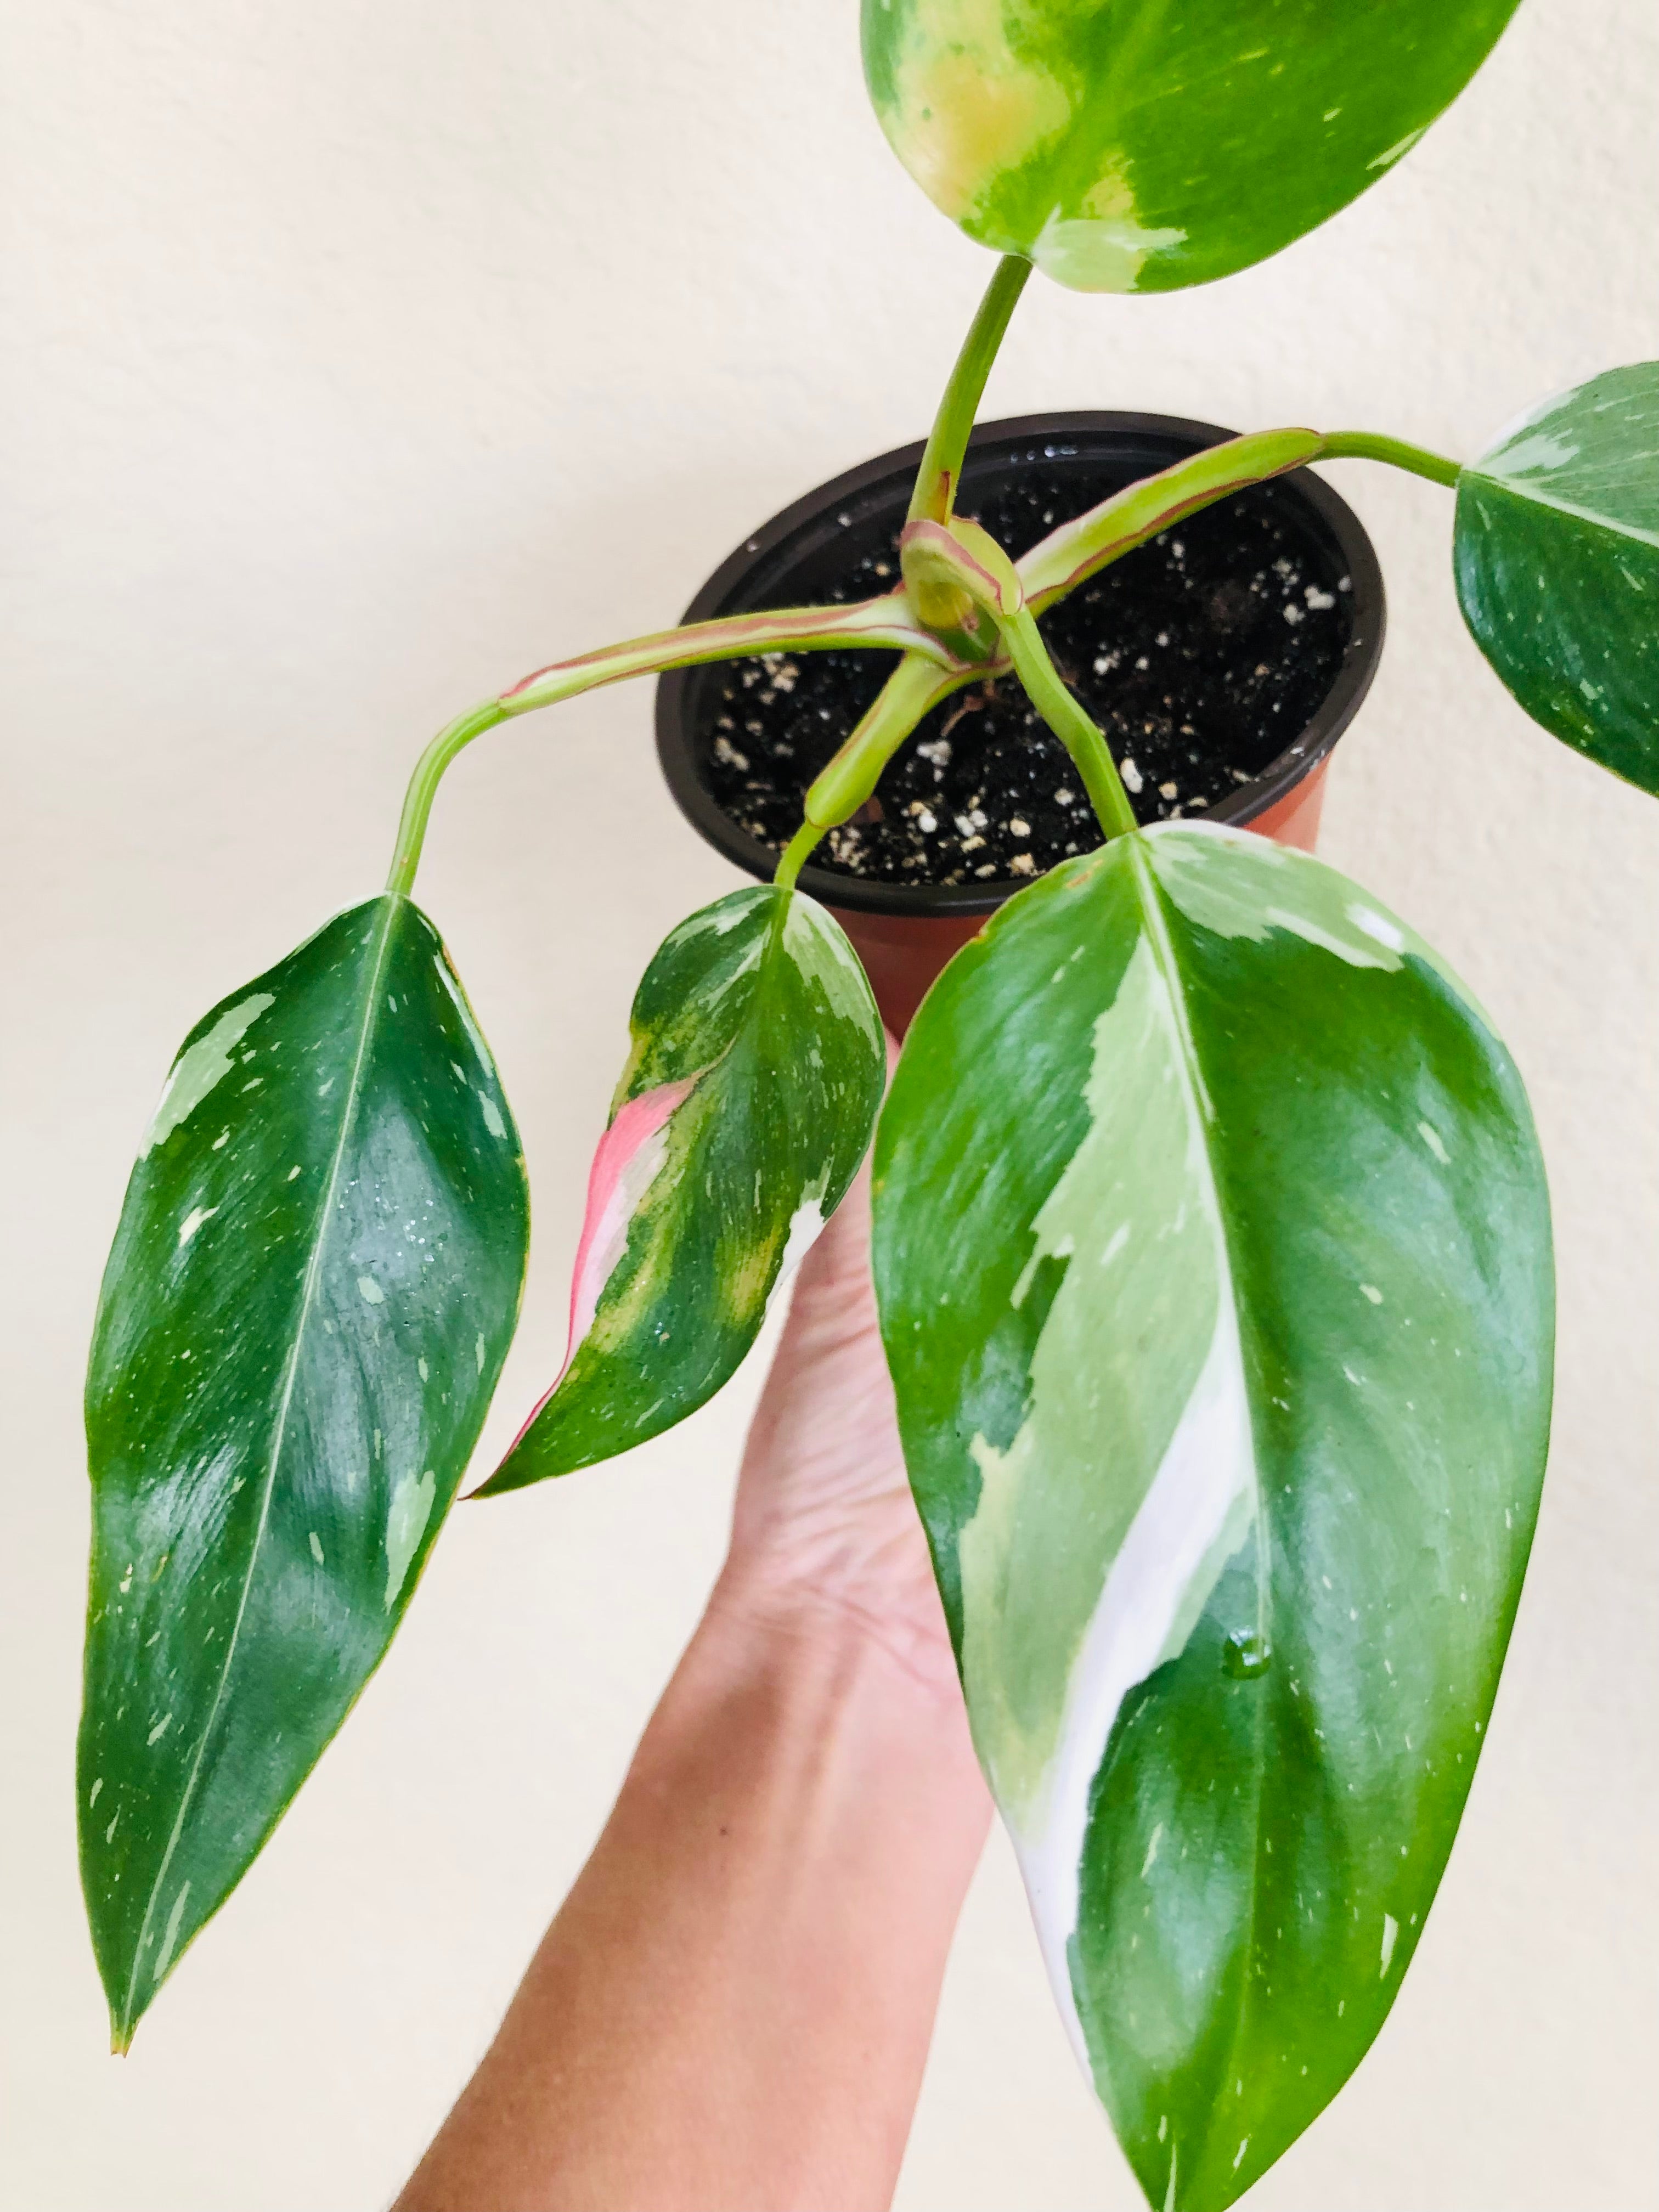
(359, 357)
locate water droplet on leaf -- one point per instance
(1246, 1654)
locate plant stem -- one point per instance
(1078, 549)
(1081, 736)
(913, 687)
(908, 622)
(968, 558)
(1368, 445)
(423, 789)
(883, 623)
(940, 473)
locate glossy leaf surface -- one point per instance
(313, 1286)
(1556, 561)
(1213, 1252)
(1124, 145)
(742, 1116)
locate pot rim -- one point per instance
(722, 593)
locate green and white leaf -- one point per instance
(1213, 1257)
(1127, 146)
(1556, 561)
(312, 1288)
(742, 1116)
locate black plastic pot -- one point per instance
(906, 930)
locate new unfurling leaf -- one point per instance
(1125, 145)
(742, 1116)
(311, 1290)
(1213, 1252)
(1556, 561)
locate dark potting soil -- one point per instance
(1201, 654)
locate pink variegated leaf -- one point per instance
(742, 1116)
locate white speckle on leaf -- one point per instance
(1376, 926)
(1390, 1931)
(1432, 1138)
(91, 1795)
(202, 1065)
(169, 1940)
(1238, 2155)
(1390, 154)
(1370, 1292)
(478, 1353)
(224, 1138)
(193, 1220)
(492, 1113)
(805, 1225)
(370, 1291)
(160, 1728)
(1151, 1851)
(425, 1371)
(292, 1173)
(405, 1524)
(316, 1548)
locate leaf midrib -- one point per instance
(1528, 490)
(393, 906)
(1163, 953)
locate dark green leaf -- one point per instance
(1212, 1251)
(1556, 559)
(313, 1286)
(742, 1116)
(1125, 145)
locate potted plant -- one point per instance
(1213, 1244)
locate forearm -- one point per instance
(732, 2009)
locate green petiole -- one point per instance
(1370, 445)
(880, 622)
(1076, 731)
(940, 474)
(914, 686)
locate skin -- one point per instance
(731, 2011)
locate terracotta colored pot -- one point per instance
(906, 932)
(903, 952)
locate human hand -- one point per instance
(825, 1518)
(734, 2005)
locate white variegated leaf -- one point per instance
(1213, 1259)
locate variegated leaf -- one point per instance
(1556, 559)
(313, 1286)
(1125, 146)
(742, 1116)
(1213, 1258)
